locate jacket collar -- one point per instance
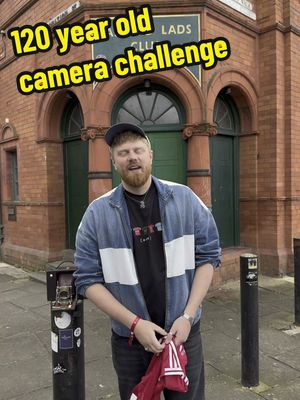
(116, 198)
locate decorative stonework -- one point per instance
(2, 46)
(188, 131)
(204, 129)
(91, 132)
(7, 133)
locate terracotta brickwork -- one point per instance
(263, 81)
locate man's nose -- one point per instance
(132, 155)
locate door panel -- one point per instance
(169, 156)
(76, 186)
(223, 188)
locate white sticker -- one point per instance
(63, 321)
(77, 332)
(54, 342)
(78, 342)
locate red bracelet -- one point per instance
(132, 328)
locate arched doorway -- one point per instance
(162, 117)
(224, 153)
(75, 168)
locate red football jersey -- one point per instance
(166, 371)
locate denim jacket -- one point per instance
(104, 249)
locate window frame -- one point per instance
(156, 127)
(12, 174)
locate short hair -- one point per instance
(128, 136)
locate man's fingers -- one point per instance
(146, 334)
(169, 337)
(156, 347)
(160, 330)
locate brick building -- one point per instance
(230, 133)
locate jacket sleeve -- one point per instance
(207, 244)
(88, 269)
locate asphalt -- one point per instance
(25, 348)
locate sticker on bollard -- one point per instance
(66, 339)
(251, 277)
(54, 342)
(63, 320)
(77, 332)
(59, 370)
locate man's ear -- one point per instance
(113, 163)
(112, 160)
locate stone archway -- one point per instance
(244, 93)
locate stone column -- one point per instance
(198, 173)
(100, 179)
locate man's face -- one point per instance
(133, 161)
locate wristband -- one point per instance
(132, 328)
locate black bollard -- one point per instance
(249, 319)
(67, 336)
(297, 279)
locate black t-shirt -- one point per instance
(148, 251)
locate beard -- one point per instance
(136, 179)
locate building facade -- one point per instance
(231, 133)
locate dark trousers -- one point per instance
(131, 363)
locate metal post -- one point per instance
(67, 336)
(297, 279)
(249, 319)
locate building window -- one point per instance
(72, 121)
(13, 174)
(148, 109)
(223, 116)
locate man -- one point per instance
(145, 255)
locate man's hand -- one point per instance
(145, 334)
(180, 329)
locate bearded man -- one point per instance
(145, 255)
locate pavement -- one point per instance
(25, 348)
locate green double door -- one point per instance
(169, 157)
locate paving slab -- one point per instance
(46, 393)
(217, 344)
(274, 341)
(290, 391)
(13, 348)
(101, 382)
(279, 320)
(271, 371)
(291, 357)
(224, 321)
(223, 387)
(24, 376)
